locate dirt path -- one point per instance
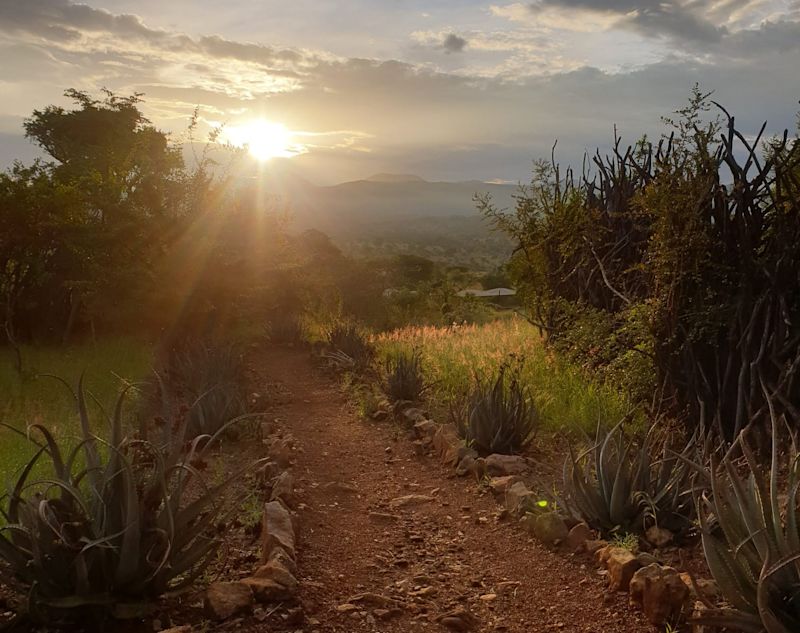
(415, 563)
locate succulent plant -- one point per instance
(347, 341)
(498, 415)
(623, 484)
(210, 377)
(405, 379)
(750, 526)
(118, 522)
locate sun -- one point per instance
(263, 139)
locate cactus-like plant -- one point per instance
(405, 379)
(118, 521)
(621, 484)
(212, 377)
(347, 340)
(499, 415)
(750, 525)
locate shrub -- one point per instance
(210, 378)
(649, 263)
(750, 525)
(621, 485)
(348, 339)
(499, 415)
(119, 522)
(405, 379)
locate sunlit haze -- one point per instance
(263, 139)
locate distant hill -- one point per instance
(364, 206)
(395, 178)
(390, 213)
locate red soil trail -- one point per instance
(415, 563)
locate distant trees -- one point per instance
(674, 268)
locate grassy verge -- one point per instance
(566, 398)
(36, 399)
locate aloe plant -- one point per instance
(499, 415)
(751, 539)
(212, 377)
(348, 340)
(621, 484)
(117, 522)
(405, 379)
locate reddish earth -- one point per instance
(365, 566)
(428, 559)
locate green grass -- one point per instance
(36, 399)
(565, 396)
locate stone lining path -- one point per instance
(439, 560)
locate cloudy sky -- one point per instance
(446, 89)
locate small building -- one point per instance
(492, 292)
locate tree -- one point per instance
(40, 244)
(130, 181)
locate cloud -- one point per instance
(524, 83)
(453, 43)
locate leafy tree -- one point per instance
(130, 182)
(41, 242)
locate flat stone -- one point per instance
(225, 599)
(277, 530)
(283, 489)
(500, 485)
(500, 465)
(578, 536)
(410, 500)
(275, 570)
(267, 589)
(459, 619)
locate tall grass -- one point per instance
(35, 398)
(563, 394)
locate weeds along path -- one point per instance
(366, 565)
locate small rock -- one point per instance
(346, 608)
(488, 597)
(646, 559)
(425, 429)
(410, 500)
(578, 536)
(499, 465)
(275, 570)
(659, 592)
(621, 565)
(412, 415)
(708, 589)
(225, 599)
(266, 589)
(283, 489)
(519, 499)
(277, 530)
(500, 485)
(387, 614)
(459, 619)
(444, 440)
(465, 466)
(658, 537)
(550, 528)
